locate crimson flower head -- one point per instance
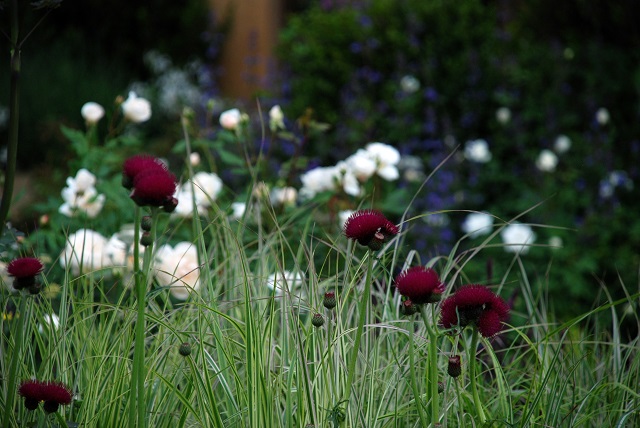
(54, 394)
(153, 187)
(137, 164)
(24, 271)
(475, 305)
(420, 284)
(370, 228)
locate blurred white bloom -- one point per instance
(386, 158)
(6, 279)
(115, 253)
(276, 118)
(412, 168)
(318, 180)
(562, 144)
(346, 179)
(231, 119)
(81, 196)
(283, 196)
(361, 164)
(477, 224)
(409, 84)
(51, 322)
(477, 151)
(178, 268)
(503, 115)
(84, 252)
(517, 236)
(92, 112)
(194, 159)
(136, 109)
(279, 282)
(547, 161)
(555, 242)
(237, 210)
(343, 216)
(602, 116)
(436, 219)
(205, 190)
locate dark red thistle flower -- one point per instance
(24, 271)
(31, 391)
(370, 228)
(420, 285)
(475, 305)
(54, 395)
(137, 164)
(153, 187)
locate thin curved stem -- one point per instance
(432, 370)
(473, 376)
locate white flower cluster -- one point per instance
(477, 151)
(376, 158)
(517, 237)
(80, 195)
(202, 191)
(88, 251)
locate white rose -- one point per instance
(237, 210)
(409, 84)
(477, 224)
(562, 144)
(204, 190)
(51, 322)
(283, 196)
(136, 109)
(361, 164)
(178, 268)
(318, 180)
(547, 161)
(386, 158)
(81, 196)
(602, 116)
(92, 112)
(230, 119)
(84, 252)
(517, 237)
(477, 151)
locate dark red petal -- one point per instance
(448, 315)
(419, 284)
(473, 295)
(31, 390)
(56, 392)
(153, 187)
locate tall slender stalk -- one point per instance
(21, 318)
(362, 310)
(413, 377)
(471, 355)
(432, 369)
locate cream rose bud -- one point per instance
(276, 118)
(562, 144)
(517, 237)
(547, 161)
(477, 224)
(136, 109)
(178, 268)
(92, 112)
(194, 159)
(231, 119)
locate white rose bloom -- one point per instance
(347, 179)
(81, 196)
(230, 119)
(503, 115)
(386, 158)
(477, 224)
(237, 210)
(517, 236)
(562, 144)
(361, 164)
(276, 118)
(92, 112)
(283, 196)
(318, 180)
(194, 159)
(602, 116)
(115, 252)
(178, 268)
(51, 322)
(84, 252)
(136, 109)
(205, 190)
(477, 151)
(555, 242)
(547, 161)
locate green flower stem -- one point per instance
(471, 353)
(362, 309)
(21, 323)
(412, 374)
(14, 104)
(432, 369)
(138, 373)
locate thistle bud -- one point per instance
(145, 223)
(317, 320)
(454, 369)
(408, 308)
(185, 349)
(329, 300)
(146, 239)
(170, 205)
